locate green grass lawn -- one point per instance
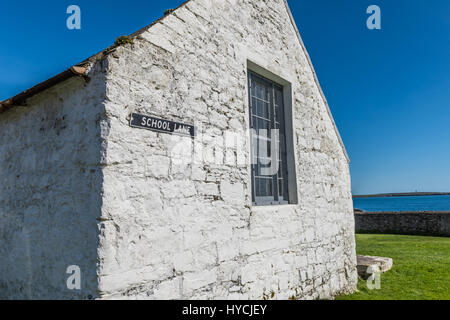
(421, 267)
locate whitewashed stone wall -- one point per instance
(50, 183)
(174, 230)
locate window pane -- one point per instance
(263, 187)
(262, 124)
(278, 97)
(280, 187)
(257, 187)
(254, 106)
(276, 115)
(264, 112)
(259, 107)
(260, 91)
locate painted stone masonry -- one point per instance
(148, 215)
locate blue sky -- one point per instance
(389, 89)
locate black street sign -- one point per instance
(161, 125)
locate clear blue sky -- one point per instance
(389, 89)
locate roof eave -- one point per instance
(21, 98)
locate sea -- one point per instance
(402, 204)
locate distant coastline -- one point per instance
(404, 194)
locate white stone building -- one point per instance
(152, 215)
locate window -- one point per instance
(270, 183)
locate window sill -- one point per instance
(273, 207)
(270, 203)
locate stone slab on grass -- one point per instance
(367, 265)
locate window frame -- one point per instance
(275, 90)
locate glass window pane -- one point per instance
(280, 187)
(254, 106)
(270, 187)
(257, 187)
(278, 97)
(259, 91)
(262, 186)
(285, 190)
(261, 125)
(259, 107)
(276, 115)
(263, 110)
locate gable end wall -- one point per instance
(173, 229)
